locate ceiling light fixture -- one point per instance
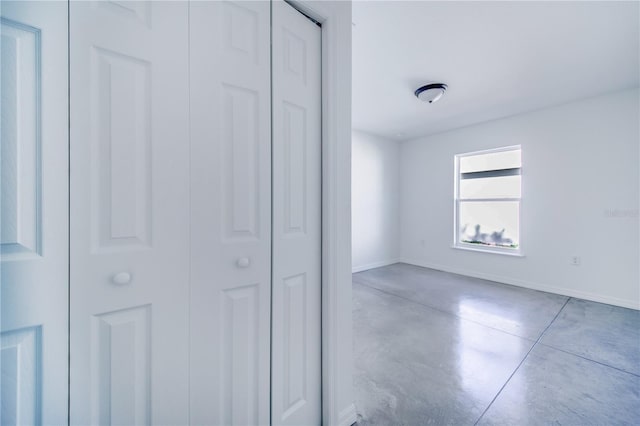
(431, 92)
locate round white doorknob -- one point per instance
(243, 262)
(121, 278)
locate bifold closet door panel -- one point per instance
(34, 213)
(296, 329)
(129, 212)
(230, 212)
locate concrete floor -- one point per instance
(434, 348)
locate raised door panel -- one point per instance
(21, 140)
(33, 215)
(139, 11)
(239, 366)
(121, 209)
(230, 212)
(294, 379)
(21, 377)
(121, 368)
(240, 164)
(296, 345)
(130, 212)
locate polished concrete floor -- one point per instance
(434, 348)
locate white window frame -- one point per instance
(457, 244)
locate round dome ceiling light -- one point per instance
(431, 92)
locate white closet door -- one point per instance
(129, 212)
(34, 220)
(230, 212)
(296, 346)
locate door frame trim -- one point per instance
(337, 386)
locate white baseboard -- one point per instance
(373, 265)
(348, 416)
(594, 297)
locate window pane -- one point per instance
(493, 161)
(490, 223)
(495, 187)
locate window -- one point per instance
(487, 200)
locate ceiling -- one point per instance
(498, 58)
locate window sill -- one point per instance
(488, 250)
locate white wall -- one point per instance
(375, 200)
(580, 197)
